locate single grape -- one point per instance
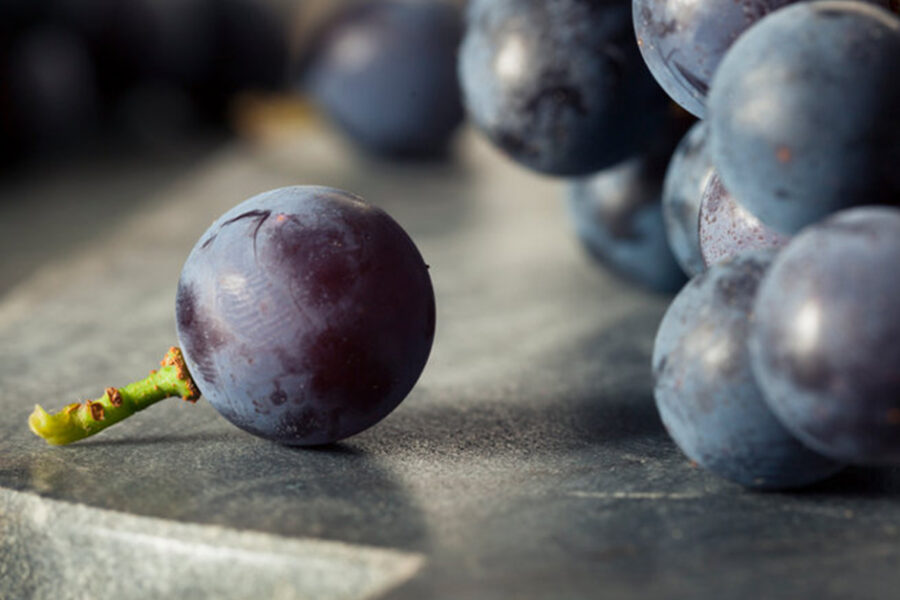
(617, 216)
(826, 337)
(728, 229)
(804, 115)
(686, 177)
(305, 315)
(705, 389)
(683, 42)
(559, 86)
(386, 74)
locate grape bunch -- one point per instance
(767, 204)
(777, 363)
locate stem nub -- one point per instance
(80, 420)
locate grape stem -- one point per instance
(80, 420)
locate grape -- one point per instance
(386, 74)
(826, 338)
(559, 86)
(689, 171)
(804, 115)
(305, 315)
(683, 42)
(705, 390)
(728, 229)
(617, 216)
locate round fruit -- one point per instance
(305, 315)
(386, 74)
(686, 177)
(803, 112)
(617, 216)
(559, 86)
(826, 336)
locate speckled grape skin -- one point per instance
(826, 339)
(617, 216)
(305, 315)
(686, 177)
(559, 86)
(385, 72)
(803, 112)
(705, 390)
(683, 42)
(727, 229)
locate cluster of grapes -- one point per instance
(776, 363)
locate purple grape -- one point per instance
(728, 229)
(385, 72)
(683, 42)
(689, 171)
(803, 112)
(305, 315)
(559, 86)
(617, 216)
(705, 389)
(826, 337)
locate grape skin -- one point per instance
(385, 72)
(305, 315)
(826, 338)
(706, 392)
(803, 113)
(558, 86)
(683, 42)
(728, 229)
(686, 177)
(617, 216)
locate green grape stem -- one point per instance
(84, 419)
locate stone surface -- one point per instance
(529, 461)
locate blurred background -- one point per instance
(105, 102)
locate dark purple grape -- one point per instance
(386, 74)
(705, 389)
(559, 86)
(689, 171)
(804, 115)
(617, 216)
(683, 42)
(826, 336)
(728, 229)
(305, 315)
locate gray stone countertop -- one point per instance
(528, 462)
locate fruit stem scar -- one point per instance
(77, 421)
